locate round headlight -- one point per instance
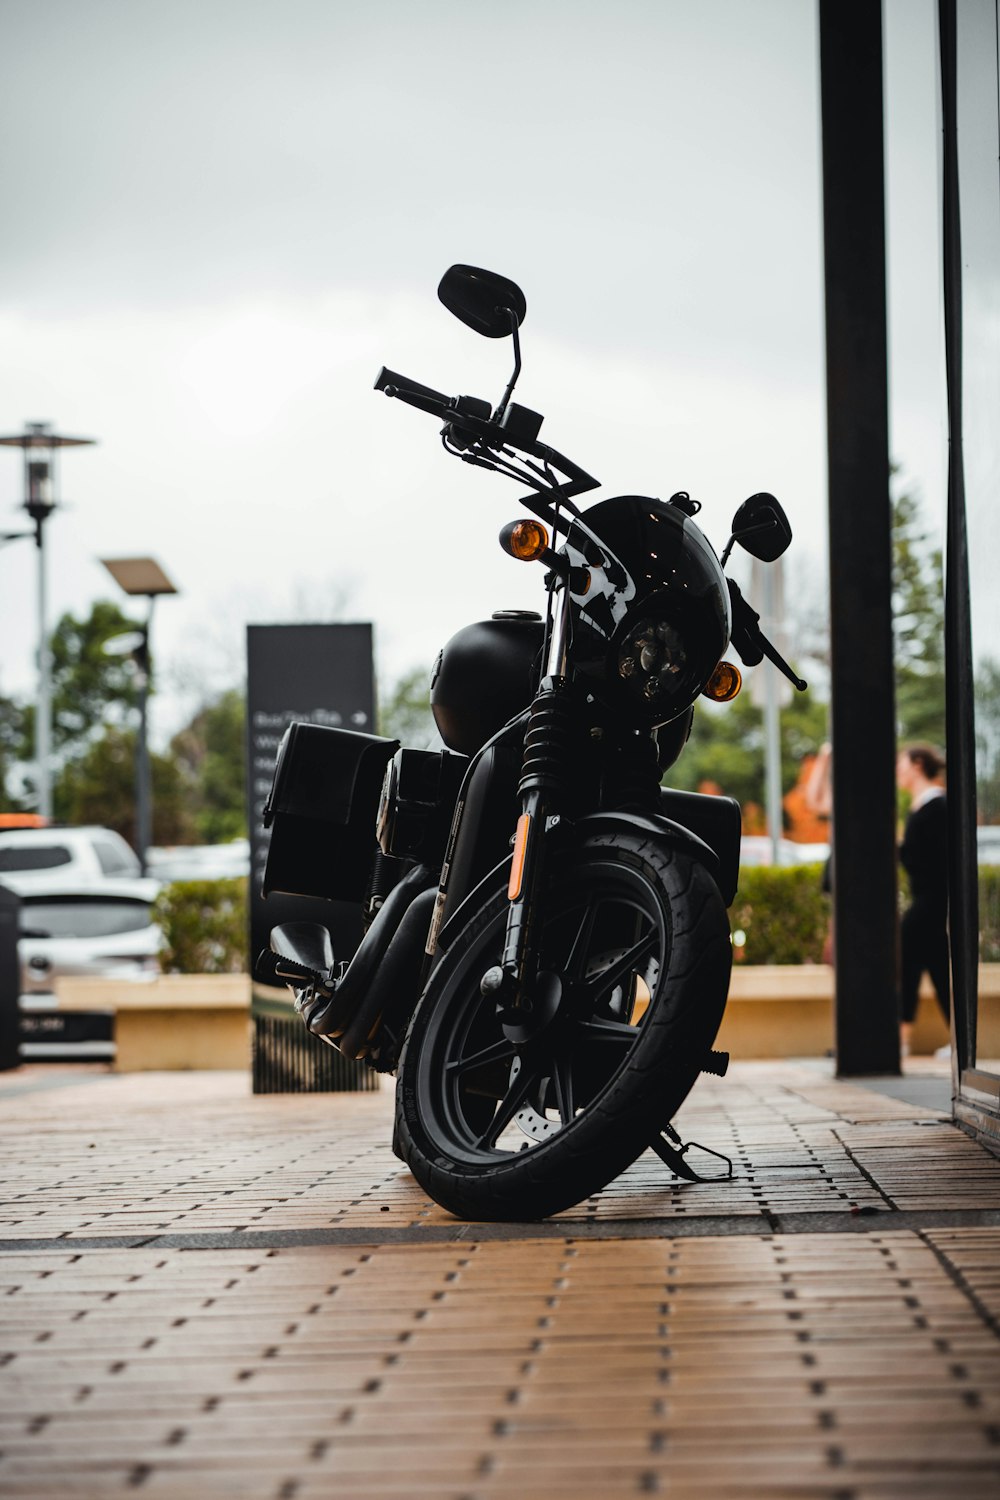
(652, 659)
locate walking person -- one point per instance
(923, 854)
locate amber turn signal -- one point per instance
(524, 540)
(520, 850)
(724, 683)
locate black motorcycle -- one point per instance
(547, 953)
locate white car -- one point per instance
(43, 858)
(988, 843)
(757, 849)
(200, 861)
(76, 917)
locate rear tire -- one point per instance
(498, 1129)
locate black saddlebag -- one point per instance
(322, 811)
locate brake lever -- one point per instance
(750, 642)
(779, 661)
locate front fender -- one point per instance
(716, 845)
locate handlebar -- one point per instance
(413, 393)
(473, 417)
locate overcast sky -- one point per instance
(220, 217)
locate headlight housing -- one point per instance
(653, 660)
(659, 662)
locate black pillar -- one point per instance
(963, 871)
(863, 713)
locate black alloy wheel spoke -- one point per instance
(512, 1101)
(577, 956)
(496, 1052)
(615, 1033)
(562, 1080)
(617, 972)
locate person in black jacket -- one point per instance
(924, 856)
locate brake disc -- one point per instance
(627, 1003)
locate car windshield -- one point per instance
(115, 858)
(33, 856)
(82, 917)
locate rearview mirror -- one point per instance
(761, 527)
(482, 300)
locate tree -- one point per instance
(726, 747)
(211, 755)
(90, 688)
(98, 786)
(918, 626)
(405, 713)
(13, 749)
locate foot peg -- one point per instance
(717, 1063)
(301, 956)
(673, 1156)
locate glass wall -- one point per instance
(979, 196)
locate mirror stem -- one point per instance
(498, 414)
(738, 536)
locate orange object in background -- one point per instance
(802, 824)
(23, 820)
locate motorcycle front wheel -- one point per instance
(515, 1121)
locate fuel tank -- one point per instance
(484, 676)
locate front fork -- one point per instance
(543, 771)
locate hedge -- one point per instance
(779, 916)
(782, 915)
(204, 926)
(989, 914)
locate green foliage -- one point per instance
(89, 687)
(204, 924)
(14, 747)
(988, 740)
(211, 754)
(89, 690)
(404, 714)
(918, 626)
(783, 914)
(727, 746)
(989, 914)
(99, 787)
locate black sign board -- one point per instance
(10, 979)
(315, 674)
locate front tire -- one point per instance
(634, 946)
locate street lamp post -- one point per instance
(141, 576)
(39, 445)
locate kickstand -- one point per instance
(673, 1156)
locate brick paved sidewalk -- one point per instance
(205, 1293)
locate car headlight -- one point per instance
(652, 659)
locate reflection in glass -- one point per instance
(979, 186)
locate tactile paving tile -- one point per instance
(796, 1366)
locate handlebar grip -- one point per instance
(413, 393)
